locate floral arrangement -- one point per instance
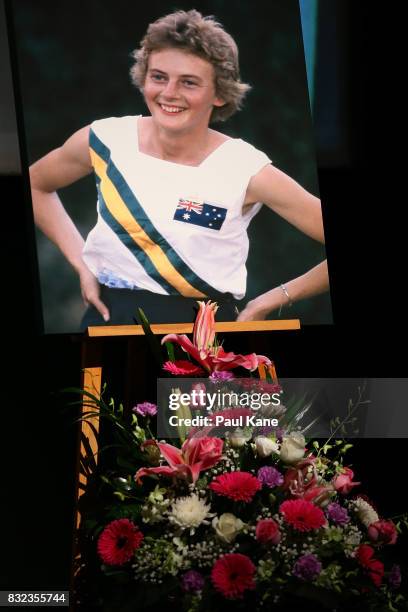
(257, 520)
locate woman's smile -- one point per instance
(171, 109)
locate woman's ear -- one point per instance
(219, 102)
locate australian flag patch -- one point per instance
(202, 214)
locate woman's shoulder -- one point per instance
(239, 143)
(240, 147)
(115, 122)
(111, 130)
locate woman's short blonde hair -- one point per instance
(204, 37)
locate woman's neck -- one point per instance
(191, 147)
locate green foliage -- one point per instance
(339, 426)
(331, 578)
(170, 351)
(153, 341)
(401, 522)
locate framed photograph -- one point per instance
(157, 184)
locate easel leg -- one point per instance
(91, 381)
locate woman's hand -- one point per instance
(260, 307)
(90, 290)
(313, 282)
(251, 313)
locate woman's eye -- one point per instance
(157, 77)
(189, 83)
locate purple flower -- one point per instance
(265, 430)
(220, 377)
(145, 409)
(192, 581)
(337, 514)
(280, 433)
(270, 476)
(394, 577)
(307, 567)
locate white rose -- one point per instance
(265, 446)
(293, 448)
(238, 438)
(227, 526)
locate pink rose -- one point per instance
(343, 483)
(383, 532)
(205, 451)
(267, 531)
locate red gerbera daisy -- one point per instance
(302, 514)
(182, 367)
(118, 541)
(239, 486)
(232, 574)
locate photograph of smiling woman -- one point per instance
(175, 196)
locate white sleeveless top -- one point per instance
(167, 227)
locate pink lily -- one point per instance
(203, 349)
(204, 327)
(215, 359)
(196, 455)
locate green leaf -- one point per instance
(170, 351)
(152, 339)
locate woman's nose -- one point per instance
(171, 88)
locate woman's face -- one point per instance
(179, 90)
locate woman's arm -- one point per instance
(57, 169)
(303, 210)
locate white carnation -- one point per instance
(365, 512)
(190, 512)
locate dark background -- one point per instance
(74, 60)
(364, 200)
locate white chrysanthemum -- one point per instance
(365, 512)
(190, 512)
